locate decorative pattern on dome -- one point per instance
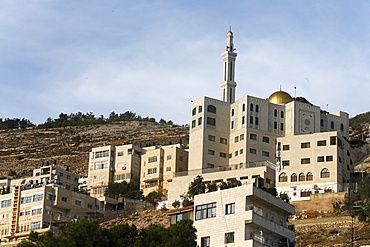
(280, 97)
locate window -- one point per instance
(64, 199)
(205, 242)
(257, 108)
(78, 203)
(320, 159)
(283, 177)
(209, 165)
(253, 151)
(251, 107)
(120, 153)
(236, 153)
(229, 237)
(211, 152)
(332, 125)
(252, 136)
(223, 155)
(282, 114)
(211, 109)
(243, 120)
(256, 121)
(243, 107)
(152, 159)
(211, 138)
(275, 113)
(205, 211)
(26, 199)
(35, 225)
(265, 153)
(38, 197)
(305, 145)
(200, 108)
(236, 138)
(251, 119)
(169, 157)
(36, 211)
(194, 111)
(325, 173)
(223, 140)
(309, 176)
(193, 124)
(293, 178)
(305, 161)
(301, 177)
(286, 163)
(152, 170)
(200, 121)
(275, 125)
(232, 124)
(321, 143)
(69, 177)
(281, 126)
(230, 208)
(241, 137)
(211, 121)
(321, 122)
(241, 151)
(6, 203)
(266, 139)
(102, 154)
(286, 147)
(232, 112)
(333, 140)
(341, 127)
(329, 158)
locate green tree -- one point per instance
(123, 235)
(124, 189)
(182, 234)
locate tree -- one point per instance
(212, 186)
(153, 197)
(182, 234)
(124, 189)
(122, 235)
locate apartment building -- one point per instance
(242, 216)
(158, 166)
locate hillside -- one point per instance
(23, 150)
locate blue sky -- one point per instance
(154, 57)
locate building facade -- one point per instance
(242, 216)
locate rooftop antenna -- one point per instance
(295, 92)
(229, 27)
(327, 107)
(280, 87)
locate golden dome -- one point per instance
(280, 97)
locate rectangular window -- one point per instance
(252, 136)
(281, 126)
(211, 152)
(286, 147)
(333, 140)
(305, 161)
(200, 121)
(232, 124)
(211, 138)
(193, 124)
(169, 157)
(305, 145)
(329, 158)
(285, 163)
(257, 121)
(102, 154)
(6, 203)
(275, 125)
(152, 159)
(26, 199)
(205, 242)
(36, 211)
(64, 199)
(241, 151)
(223, 155)
(223, 140)
(236, 138)
(229, 237)
(120, 153)
(251, 119)
(243, 120)
(205, 211)
(168, 168)
(211, 121)
(242, 137)
(253, 151)
(236, 153)
(265, 153)
(78, 203)
(266, 139)
(230, 208)
(200, 108)
(320, 159)
(152, 170)
(38, 197)
(321, 143)
(35, 225)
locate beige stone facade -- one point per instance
(242, 216)
(158, 166)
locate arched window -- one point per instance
(282, 114)
(341, 127)
(283, 177)
(325, 173)
(302, 177)
(275, 113)
(211, 109)
(251, 107)
(309, 176)
(293, 178)
(257, 108)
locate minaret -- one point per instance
(228, 84)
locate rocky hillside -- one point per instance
(23, 150)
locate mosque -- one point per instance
(305, 145)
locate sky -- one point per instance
(154, 57)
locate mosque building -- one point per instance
(305, 145)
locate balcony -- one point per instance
(256, 216)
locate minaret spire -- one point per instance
(228, 84)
